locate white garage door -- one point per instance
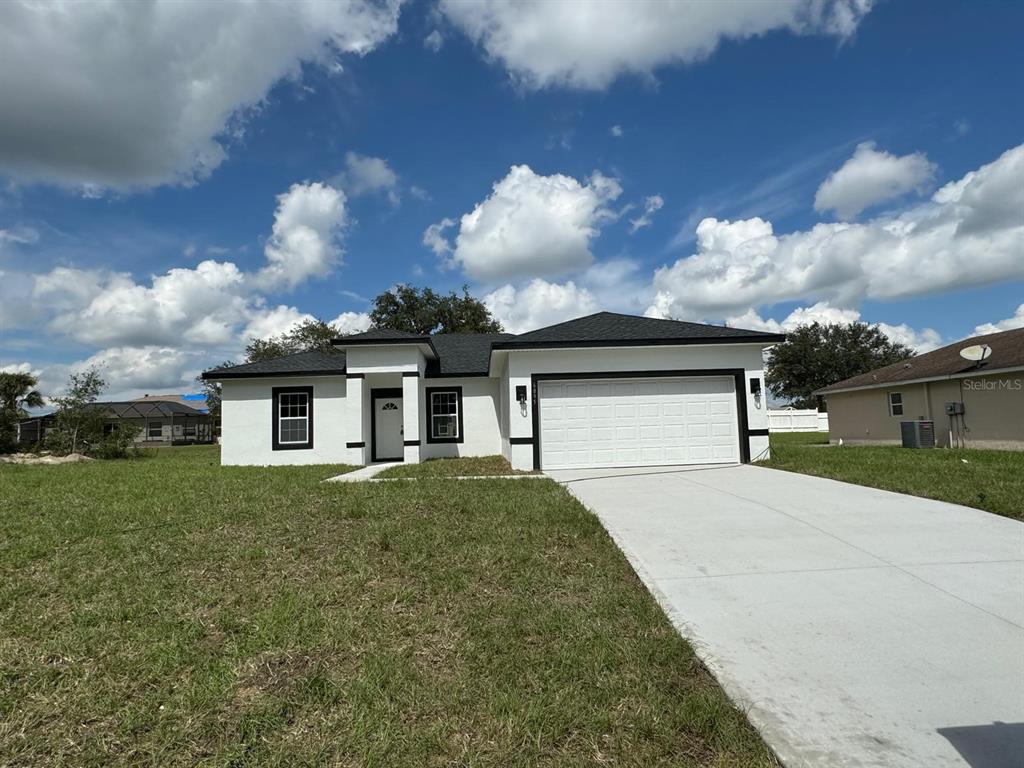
(638, 422)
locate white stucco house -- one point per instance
(607, 390)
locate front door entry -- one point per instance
(388, 441)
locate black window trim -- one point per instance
(429, 392)
(888, 398)
(276, 393)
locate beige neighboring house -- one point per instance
(990, 397)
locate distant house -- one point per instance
(977, 404)
(161, 419)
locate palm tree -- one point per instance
(17, 393)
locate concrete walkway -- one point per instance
(363, 473)
(858, 627)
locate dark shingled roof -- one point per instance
(1007, 352)
(469, 354)
(299, 364)
(613, 329)
(463, 354)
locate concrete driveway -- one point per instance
(858, 627)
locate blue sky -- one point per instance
(155, 210)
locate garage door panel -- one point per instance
(650, 431)
(636, 422)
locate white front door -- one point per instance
(388, 442)
(638, 422)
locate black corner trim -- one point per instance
(360, 444)
(275, 424)
(428, 391)
(410, 374)
(520, 441)
(757, 433)
(355, 375)
(408, 443)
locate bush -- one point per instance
(116, 444)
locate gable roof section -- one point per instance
(382, 336)
(610, 329)
(463, 354)
(1007, 352)
(299, 364)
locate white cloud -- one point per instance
(128, 370)
(652, 205)
(434, 41)
(616, 131)
(870, 177)
(19, 368)
(201, 305)
(306, 239)
(1009, 324)
(274, 322)
(19, 236)
(131, 95)
(539, 304)
(434, 239)
(534, 225)
(588, 43)
(369, 175)
(920, 341)
(207, 306)
(923, 340)
(157, 334)
(970, 233)
(351, 322)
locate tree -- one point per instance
(306, 336)
(814, 356)
(17, 393)
(423, 311)
(78, 424)
(212, 391)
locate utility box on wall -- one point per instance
(954, 409)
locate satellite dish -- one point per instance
(977, 353)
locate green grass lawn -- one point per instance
(989, 480)
(464, 466)
(167, 611)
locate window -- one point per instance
(895, 404)
(190, 429)
(292, 418)
(444, 415)
(156, 430)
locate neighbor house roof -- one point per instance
(468, 354)
(1007, 353)
(197, 401)
(141, 409)
(299, 364)
(613, 329)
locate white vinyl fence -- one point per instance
(797, 421)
